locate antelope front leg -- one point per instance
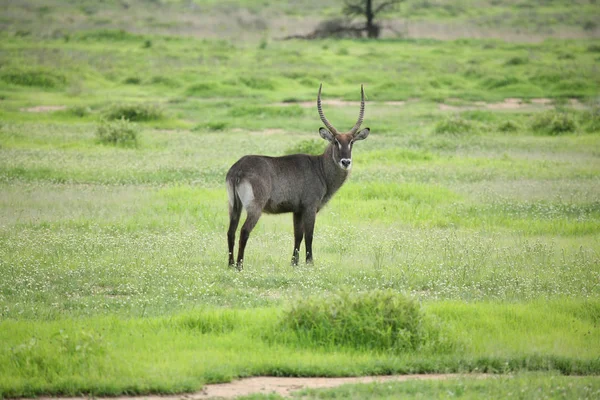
(308, 222)
(298, 234)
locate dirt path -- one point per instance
(41, 109)
(274, 385)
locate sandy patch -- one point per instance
(41, 109)
(267, 132)
(337, 103)
(281, 386)
(541, 101)
(508, 104)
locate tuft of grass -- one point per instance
(33, 77)
(79, 111)
(454, 125)
(109, 35)
(553, 123)
(117, 133)
(132, 80)
(377, 320)
(211, 126)
(517, 61)
(508, 126)
(134, 112)
(309, 146)
(594, 48)
(164, 81)
(590, 120)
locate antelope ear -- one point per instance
(325, 134)
(362, 134)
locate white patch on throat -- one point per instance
(244, 190)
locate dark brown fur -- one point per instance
(300, 184)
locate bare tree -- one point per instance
(370, 10)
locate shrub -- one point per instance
(499, 82)
(338, 28)
(132, 80)
(455, 125)
(553, 123)
(377, 320)
(163, 80)
(134, 112)
(35, 77)
(517, 61)
(594, 48)
(590, 120)
(79, 111)
(508, 126)
(590, 25)
(310, 146)
(118, 133)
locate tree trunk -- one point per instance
(372, 29)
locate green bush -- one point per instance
(377, 320)
(132, 80)
(34, 77)
(590, 120)
(134, 112)
(554, 123)
(594, 48)
(454, 125)
(309, 146)
(117, 133)
(508, 126)
(164, 80)
(517, 61)
(79, 111)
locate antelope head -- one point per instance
(342, 142)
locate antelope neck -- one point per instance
(334, 175)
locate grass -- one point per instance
(524, 386)
(181, 352)
(481, 223)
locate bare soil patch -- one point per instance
(508, 104)
(276, 385)
(336, 103)
(41, 109)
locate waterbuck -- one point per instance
(300, 184)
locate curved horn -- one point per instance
(320, 109)
(362, 111)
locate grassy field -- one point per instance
(243, 20)
(472, 220)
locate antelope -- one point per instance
(299, 183)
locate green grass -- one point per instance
(521, 386)
(108, 355)
(113, 258)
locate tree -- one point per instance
(370, 11)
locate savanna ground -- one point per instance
(467, 239)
